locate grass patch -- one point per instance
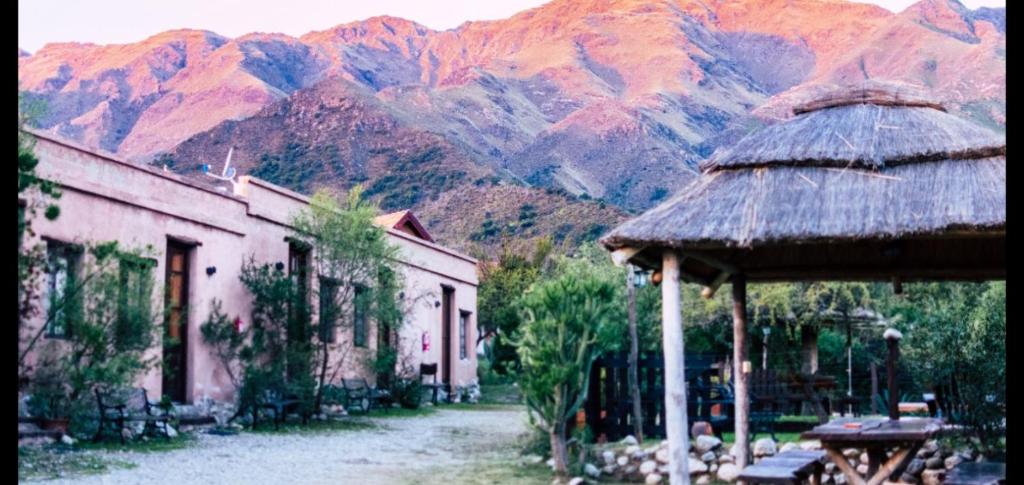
(400, 413)
(481, 406)
(500, 394)
(56, 461)
(789, 418)
(730, 438)
(152, 445)
(316, 427)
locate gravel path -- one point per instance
(417, 450)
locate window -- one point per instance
(463, 333)
(328, 309)
(135, 303)
(298, 311)
(360, 308)
(60, 301)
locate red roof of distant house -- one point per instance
(404, 221)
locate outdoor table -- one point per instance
(905, 436)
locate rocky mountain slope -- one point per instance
(614, 100)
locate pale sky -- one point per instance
(123, 21)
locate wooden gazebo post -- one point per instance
(739, 352)
(675, 371)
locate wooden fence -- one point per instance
(608, 407)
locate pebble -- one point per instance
(728, 472)
(648, 467)
(591, 471)
(652, 479)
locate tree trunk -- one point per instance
(739, 346)
(675, 372)
(809, 360)
(874, 388)
(634, 355)
(318, 401)
(558, 449)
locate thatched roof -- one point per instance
(849, 173)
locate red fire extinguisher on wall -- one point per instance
(426, 341)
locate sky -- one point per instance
(124, 21)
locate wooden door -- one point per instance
(175, 345)
(448, 296)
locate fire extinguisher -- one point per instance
(426, 341)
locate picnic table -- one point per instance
(905, 436)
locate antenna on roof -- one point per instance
(228, 174)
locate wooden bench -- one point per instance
(279, 404)
(986, 473)
(430, 370)
(122, 406)
(792, 467)
(358, 391)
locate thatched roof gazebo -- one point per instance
(873, 182)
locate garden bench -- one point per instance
(986, 473)
(126, 405)
(792, 467)
(763, 422)
(430, 370)
(278, 403)
(367, 397)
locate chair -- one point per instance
(125, 405)
(430, 370)
(792, 467)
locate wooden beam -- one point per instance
(622, 256)
(741, 378)
(709, 290)
(675, 375)
(711, 261)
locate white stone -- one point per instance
(632, 449)
(708, 457)
(648, 467)
(551, 463)
(662, 455)
(862, 469)
(851, 452)
(171, 432)
(697, 466)
(652, 479)
(839, 479)
(705, 443)
(576, 481)
(765, 447)
(67, 440)
(629, 440)
(609, 469)
(622, 461)
(864, 458)
(663, 469)
(953, 461)
(734, 450)
(933, 477)
(713, 468)
(629, 470)
(703, 480)
(788, 447)
(728, 472)
(608, 456)
(810, 445)
(726, 458)
(591, 471)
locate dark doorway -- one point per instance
(447, 300)
(297, 331)
(176, 326)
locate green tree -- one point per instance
(568, 322)
(108, 322)
(355, 264)
(501, 282)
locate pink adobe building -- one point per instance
(200, 236)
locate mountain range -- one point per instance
(561, 119)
